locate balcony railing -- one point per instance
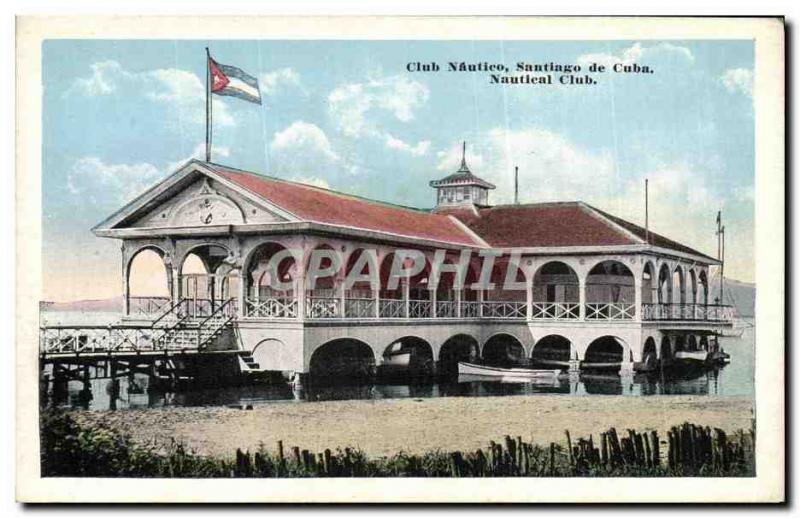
(503, 309)
(276, 307)
(556, 310)
(688, 312)
(365, 308)
(610, 311)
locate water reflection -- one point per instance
(140, 391)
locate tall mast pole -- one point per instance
(722, 270)
(208, 105)
(646, 213)
(721, 253)
(516, 185)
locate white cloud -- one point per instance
(635, 54)
(421, 147)
(738, 80)
(303, 137)
(104, 184)
(103, 81)
(303, 152)
(182, 92)
(272, 82)
(450, 158)
(350, 104)
(551, 168)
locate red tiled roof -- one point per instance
(563, 224)
(557, 225)
(319, 205)
(541, 225)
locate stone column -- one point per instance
(342, 295)
(407, 294)
(529, 298)
(637, 298)
(458, 303)
(126, 295)
(300, 287)
(433, 303)
(582, 298)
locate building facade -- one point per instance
(563, 283)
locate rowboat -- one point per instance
(397, 360)
(691, 356)
(514, 373)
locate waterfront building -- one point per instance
(590, 290)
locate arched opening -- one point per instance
(556, 291)
(446, 291)
(691, 343)
(679, 342)
(458, 348)
(666, 350)
(273, 355)
(503, 350)
(360, 273)
(343, 359)
(678, 286)
(610, 292)
(270, 282)
(323, 299)
(201, 276)
(509, 293)
(649, 284)
(692, 287)
(148, 283)
(703, 297)
(606, 353)
(649, 355)
(392, 304)
(409, 356)
(552, 351)
(664, 284)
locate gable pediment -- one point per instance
(205, 202)
(193, 197)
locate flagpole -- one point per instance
(646, 214)
(208, 105)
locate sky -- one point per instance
(119, 116)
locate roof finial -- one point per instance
(464, 157)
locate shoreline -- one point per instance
(388, 426)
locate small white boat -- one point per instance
(692, 356)
(514, 373)
(397, 360)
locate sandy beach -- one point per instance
(384, 427)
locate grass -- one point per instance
(71, 450)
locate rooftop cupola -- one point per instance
(462, 187)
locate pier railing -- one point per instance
(183, 326)
(148, 307)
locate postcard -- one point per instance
(376, 259)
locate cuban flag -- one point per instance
(232, 81)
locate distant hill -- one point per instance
(740, 294)
(112, 305)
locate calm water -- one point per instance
(735, 379)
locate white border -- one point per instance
(769, 97)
